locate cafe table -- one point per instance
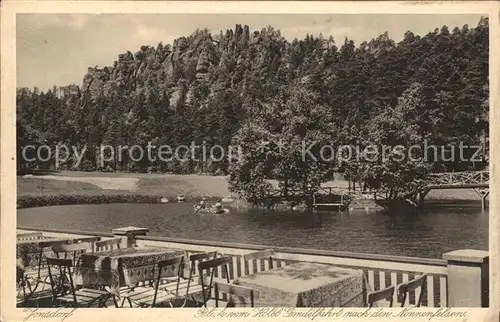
(122, 267)
(305, 284)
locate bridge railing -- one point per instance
(459, 178)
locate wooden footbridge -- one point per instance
(476, 180)
(479, 181)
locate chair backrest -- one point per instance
(236, 290)
(386, 294)
(197, 257)
(68, 248)
(202, 256)
(29, 236)
(74, 249)
(109, 244)
(267, 253)
(163, 266)
(214, 263)
(59, 286)
(51, 242)
(43, 245)
(405, 288)
(211, 265)
(87, 239)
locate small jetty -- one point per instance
(330, 201)
(325, 198)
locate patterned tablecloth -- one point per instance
(28, 251)
(307, 285)
(122, 267)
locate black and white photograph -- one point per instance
(249, 160)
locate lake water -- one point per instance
(437, 229)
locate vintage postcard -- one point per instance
(250, 160)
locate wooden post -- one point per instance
(421, 197)
(483, 193)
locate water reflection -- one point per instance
(425, 234)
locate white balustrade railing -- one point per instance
(380, 273)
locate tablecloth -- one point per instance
(122, 267)
(28, 251)
(307, 284)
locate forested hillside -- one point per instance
(241, 85)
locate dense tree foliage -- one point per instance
(241, 87)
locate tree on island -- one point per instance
(282, 140)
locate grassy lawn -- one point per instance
(38, 186)
(169, 185)
(98, 183)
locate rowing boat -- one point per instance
(210, 210)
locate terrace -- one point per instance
(460, 279)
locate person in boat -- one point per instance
(202, 204)
(218, 207)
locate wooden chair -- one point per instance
(36, 282)
(191, 288)
(267, 254)
(404, 289)
(21, 296)
(150, 296)
(233, 290)
(190, 270)
(63, 289)
(29, 236)
(386, 294)
(36, 279)
(120, 293)
(108, 245)
(211, 265)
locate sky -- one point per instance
(57, 49)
